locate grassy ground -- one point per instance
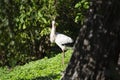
(44, 69)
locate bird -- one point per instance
(60, 39)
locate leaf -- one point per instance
(21, 20)
(76, 19)
(78, 5)
(39, 14)
(24, 26)
(44, 20)
(86, 5)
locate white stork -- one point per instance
(60, 39)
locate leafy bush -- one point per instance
(81, 7)
(44, 69)
(24, 25)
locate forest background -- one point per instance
(25, 27)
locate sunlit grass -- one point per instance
(44, 69)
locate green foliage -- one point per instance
(44, 69)
(81, 7)
(23, 24)
(66, 18)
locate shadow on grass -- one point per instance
(49, 77)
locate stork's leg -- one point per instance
(63, 56)
(62, 48)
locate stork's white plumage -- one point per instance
(59, 39)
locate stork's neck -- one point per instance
(53, 31)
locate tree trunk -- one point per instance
(97, 48)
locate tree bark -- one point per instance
(97, 48)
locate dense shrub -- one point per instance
(24, 28)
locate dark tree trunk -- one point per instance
(97, 48)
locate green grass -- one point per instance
(44, 69)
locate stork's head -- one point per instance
(53, 22)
